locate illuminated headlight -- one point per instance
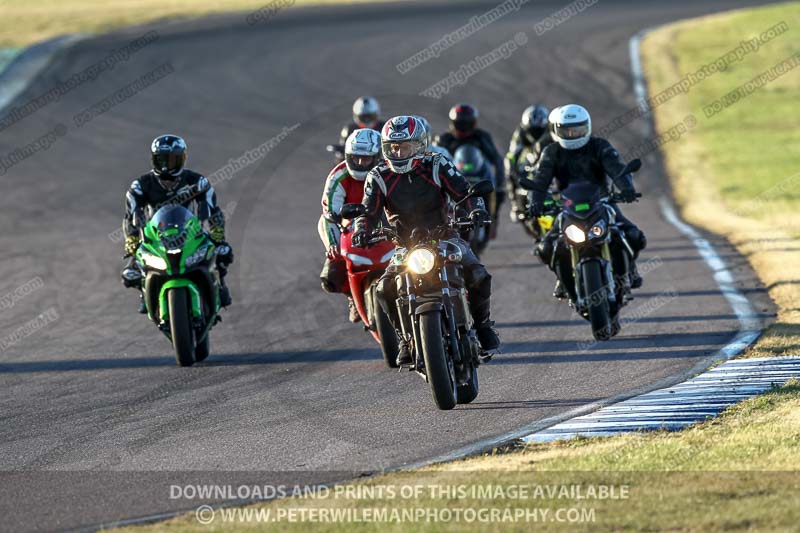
(197, 257)
(153, 261)
(598, 230)
(421, 261)
(575, 234)
(359, 260)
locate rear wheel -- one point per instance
(469, 390)
(180, 323)
(597, 300)
(203, 349)
(438, 366)
(389, 342)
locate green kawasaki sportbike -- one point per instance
(180, 280)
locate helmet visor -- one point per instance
(572, 131)
(168, 162)
(464, 125)
(361, 163)
(367, 119)
(399, 150)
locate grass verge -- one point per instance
(733, 174)
(24, 22)
(736, 172)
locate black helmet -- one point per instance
(470, 161)
(168, 156)
(534, 122)
(463, 119)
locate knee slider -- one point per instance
(479, 275)
(545, 251)
(636, 238)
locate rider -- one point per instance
(578, 156)
(366, 114)
(414, 188)
(170, 183)
(470, 162)
(532, 135)
(429, 146)
(463, 130)
(345, 185)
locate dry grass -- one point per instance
(736, 173)
(23, 22)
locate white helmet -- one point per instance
(572, 126)
(362, 152)
(366, 111)
(428, 133)
(402, 141)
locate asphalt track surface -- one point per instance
(97, 421)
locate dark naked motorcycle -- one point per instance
(432, 304)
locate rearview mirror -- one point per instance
(351, 211)
(481, 188)
(634, 165)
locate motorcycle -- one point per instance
(598, 284)
(520, 200)
(176, 265)
(365, 266)
(338, 152)
(471, 163)
(432, 304)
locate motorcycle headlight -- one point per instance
(196, 257)
(153, 261)
(575, 234)
(598, 230)
(359, 260)
(421, 261)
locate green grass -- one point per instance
(23, 22)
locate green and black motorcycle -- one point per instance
(179, 280)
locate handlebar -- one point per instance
(616, 198)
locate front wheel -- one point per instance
(596, 294)
(180, 324)
(438, 366)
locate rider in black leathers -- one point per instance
(414, 189)
(578, 156)
(170, 183)
(463, 130)
(531, 136)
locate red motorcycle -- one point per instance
(365, 266)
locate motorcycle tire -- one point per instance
(599, 313)
(180, 323)
(438, 367)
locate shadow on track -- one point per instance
(216, 360)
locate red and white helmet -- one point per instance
(362, 152)
(366, 111)
(402, 141)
